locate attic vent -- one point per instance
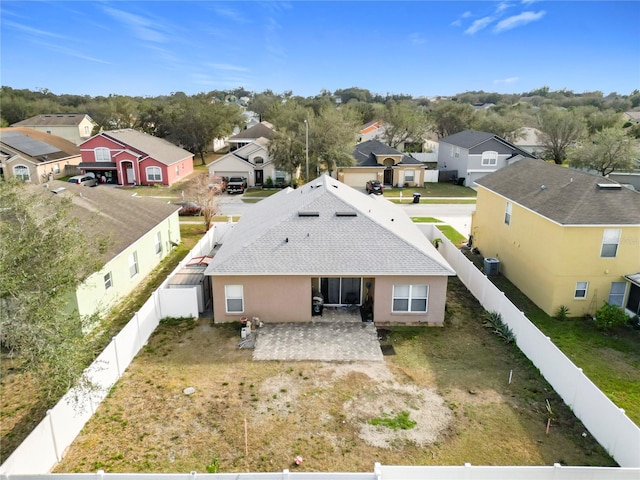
(610, 186)
(308, 214)
(346, 214)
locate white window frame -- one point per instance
(489, 158)
(102, 154)
(154, 174)
(258, 161)
(610, 241)
(507, 213)
(581, 287)
(56, 168)
(108, 281)
(87, 130)
(22, 172)
(409, 175)
(280, 176)
(133, 265)
(233, 293)
(617, 298)
(158, 243)
(457, 152)
(177, 170)
(410, 294)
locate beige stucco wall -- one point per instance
(41, 173)
(545, 260)
(288, 298)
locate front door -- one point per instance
(388, 176)
(259, 177)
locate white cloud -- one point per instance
(478, 25)
(227, 67)
(518, 20)
(458, 21)
(142, 27)
(33, 31)
(417, 39)
(231, 14)
(506, 81)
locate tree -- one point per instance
(608, 150)
(332, 136)
(559, 130)
(44, 255)
(451, 117)
(507, 125)
(403, 122)
(202, 192)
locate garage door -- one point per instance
(359, 180)
(226, 173)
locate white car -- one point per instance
(88, 180)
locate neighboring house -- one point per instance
(36, 157)
(250, 161)
(373, 130)
(138, 232)
(75, 127)
(562, 236)
(129, 157)
(325, 236)
(376, 161)
(529, 141)
(470, 155)
(249, 135)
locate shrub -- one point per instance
(610, 316)
(268, 182)
(494, 320)
(562, 313)
(400, 422)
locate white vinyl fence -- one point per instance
(606, 422)
(44, 447)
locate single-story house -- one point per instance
(564, 237)
(138, 232)
(36, 157)
(74, 127)
(330, 239)
(469, 155)
(376, 161)
(129, 157)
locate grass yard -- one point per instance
(611, 360)
(440, 189)
(455, 378)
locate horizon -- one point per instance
(155, 48)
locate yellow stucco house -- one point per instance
(562, 236)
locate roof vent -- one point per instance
(308, 214)
(609, 186)
(346, 214)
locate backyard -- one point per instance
(443, 396)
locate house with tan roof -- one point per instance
(564, 237)
(138, 232)
(74, 127)
(130, 157)
(36, 157)
(326, 238)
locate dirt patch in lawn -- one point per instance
(246, 416)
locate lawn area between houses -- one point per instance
(611, 360)
(247, 416)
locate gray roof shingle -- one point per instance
(565, 195)
(365, 154)
(469, 139)
(158, 148)
(53, 119)
(272, 238)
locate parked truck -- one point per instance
(236, 185)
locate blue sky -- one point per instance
(421, 48)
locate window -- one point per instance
(234, 296)
(610, 242)
(133, 264)
(410, 298)
(177, 170)
(258, 160)
(457, 152)
(87, 131)
(616, 294)
(507, 213)
(159, 243)
(102, 154)
(489, 158)
(56, 169)
(279, 176)
(108, 281)
(409, 175)
(581, 290)
(21, 172)
(154, 174)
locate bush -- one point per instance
(268, 182)
(610, 316)
(562, 313)
(494, 321)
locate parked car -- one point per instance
(236, 185)
(219, 184)
(189, 209)
(87, 180)
(374, 186)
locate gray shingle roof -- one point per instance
(365, 154)
(469, 139)
(158, 148)
(564, 195)
(53, 119)
(272, 238)
(262, 129)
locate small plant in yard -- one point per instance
(494, 320)
(610, 316)
(562, 313)
(214, 466)
(400, 422)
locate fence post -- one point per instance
(53, 436)
(137, 317)
(115, 350)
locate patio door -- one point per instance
(341, 291)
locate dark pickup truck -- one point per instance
(236, 185)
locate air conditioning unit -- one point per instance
(491, 266)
